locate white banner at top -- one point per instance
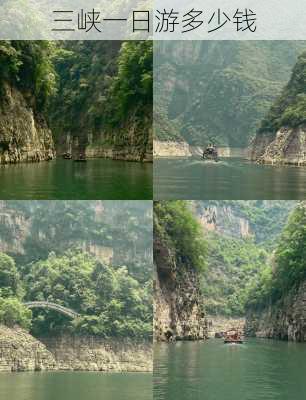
(148, 19)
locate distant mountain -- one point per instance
(218, 90)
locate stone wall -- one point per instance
(19, 351)
(284, 320)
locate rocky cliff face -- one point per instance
(281, 138)
(94, 354)
(286, 146)
(132, 142)
(19, 351)
(284, 320)
(223, 220)
(24, 136)
(178, 309)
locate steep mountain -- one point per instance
(115, 233)
(276, 305)
(217, 91)
(240, 235)
(282, 134)
(26, 80)
(179, 255)
(92, 97)
(94, 258)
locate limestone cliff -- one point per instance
(19, 351)
(287, 146)
(281, 138)
(24, 135)
(178, 309)
(284, 320)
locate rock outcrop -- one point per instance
(218, 324)
(19, 351)
(284, 320)
(171, 149)
(281, 138)
(24, 135)
(287, 146)
(178, 308)
(94, 354)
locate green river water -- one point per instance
(75, 386)
(228, 179)
(64, 179)
(260, 369)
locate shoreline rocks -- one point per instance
(20, 351)
(285, 320)
(286, 147)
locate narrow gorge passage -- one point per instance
(222, 276)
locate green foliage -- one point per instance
(110, 301)
(233, 264)
(102, 84)
(113, 301)
(218, 91)
(13, 312)
(287, 267)
(28, 64)
(175, 223)
(9, 277)
(133, 86)
(289, 109)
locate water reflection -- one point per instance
(257, 370)
(232, 179)
(75, 386)
(62, 179)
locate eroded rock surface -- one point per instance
(24, 135)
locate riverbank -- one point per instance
(164, 149)
(20, 351)
(218, 324)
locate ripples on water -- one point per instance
(64, 179)
(75, 386)
(231, 179)
(258, 370)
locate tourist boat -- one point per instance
(210, 153)
(233, 336)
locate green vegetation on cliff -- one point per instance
(60, 258)
(289, 110)
(219, 91)
(177, 227)
(90, 92)
(287, 267)
(101, 85)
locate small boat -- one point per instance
(67, 156)
(233, 336)
(210, 153)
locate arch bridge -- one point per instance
(52, 306)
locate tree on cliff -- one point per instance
(175, 223)
(288, 266)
